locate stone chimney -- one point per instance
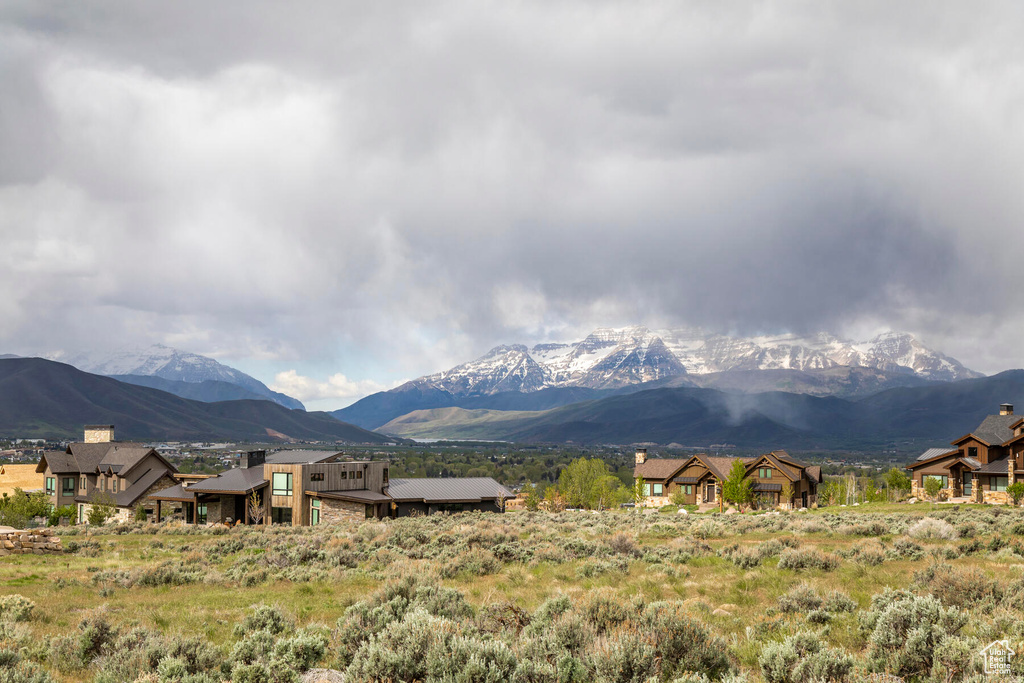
(253, 459)
(99, 433)
(1006, 409)
(641, 456)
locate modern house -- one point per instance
(978, 466)
(307, 488)
(102, 469)
(699, 478)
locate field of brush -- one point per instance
(914, 591)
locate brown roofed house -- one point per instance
(101, 469)
(699, 478)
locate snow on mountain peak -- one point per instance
(614, 357)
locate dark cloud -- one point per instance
(397, 187)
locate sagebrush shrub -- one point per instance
(801, 658)
(904, 630)
(807, 558)
(16, 608)
(929, 527)
(801, 598)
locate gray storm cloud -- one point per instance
(417, 181)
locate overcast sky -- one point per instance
(336, 196)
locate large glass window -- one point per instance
(51, 485)
(281, 515)
(67, 487)
(998, 483)
(943, 479)
(972, 452)
(647, 490)
(282, 484)
(968, 480)
(658, 489)
(201, 514)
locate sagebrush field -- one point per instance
(914, 591)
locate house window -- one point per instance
(385, 475)
(281, 515)
(51, 485)
(972, 452)
(943, 479)
(686, 488)
(113, 485)
(369, 512)
(103, 483)
(968, 480)
(647, 490)
(344, 474)
(81, 483)
(998, 483)
(764, 472)
(67, 486)
(314, 512)
(359, 474)
(658, 489)
(282, 485)
(201, 514)
(316, 476)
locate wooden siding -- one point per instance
(370, 477)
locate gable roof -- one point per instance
(789, 471)
(993, 430)
(59, 462)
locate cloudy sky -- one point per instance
(335, 196)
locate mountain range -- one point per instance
(184, 374)
(904, 418)
(43, 398)
(613, 361)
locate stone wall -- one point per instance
(35, 542)
(341, 512)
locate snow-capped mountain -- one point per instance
(612, 358)
(171, 364)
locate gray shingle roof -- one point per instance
(241, 480)
(470, 489)
(133, 493)
(995, 429)
(300, 457)
(59, 462)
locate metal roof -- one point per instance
(935, 452)
(767, 488)
(300, 457)
(447, 489)
(357, 496)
